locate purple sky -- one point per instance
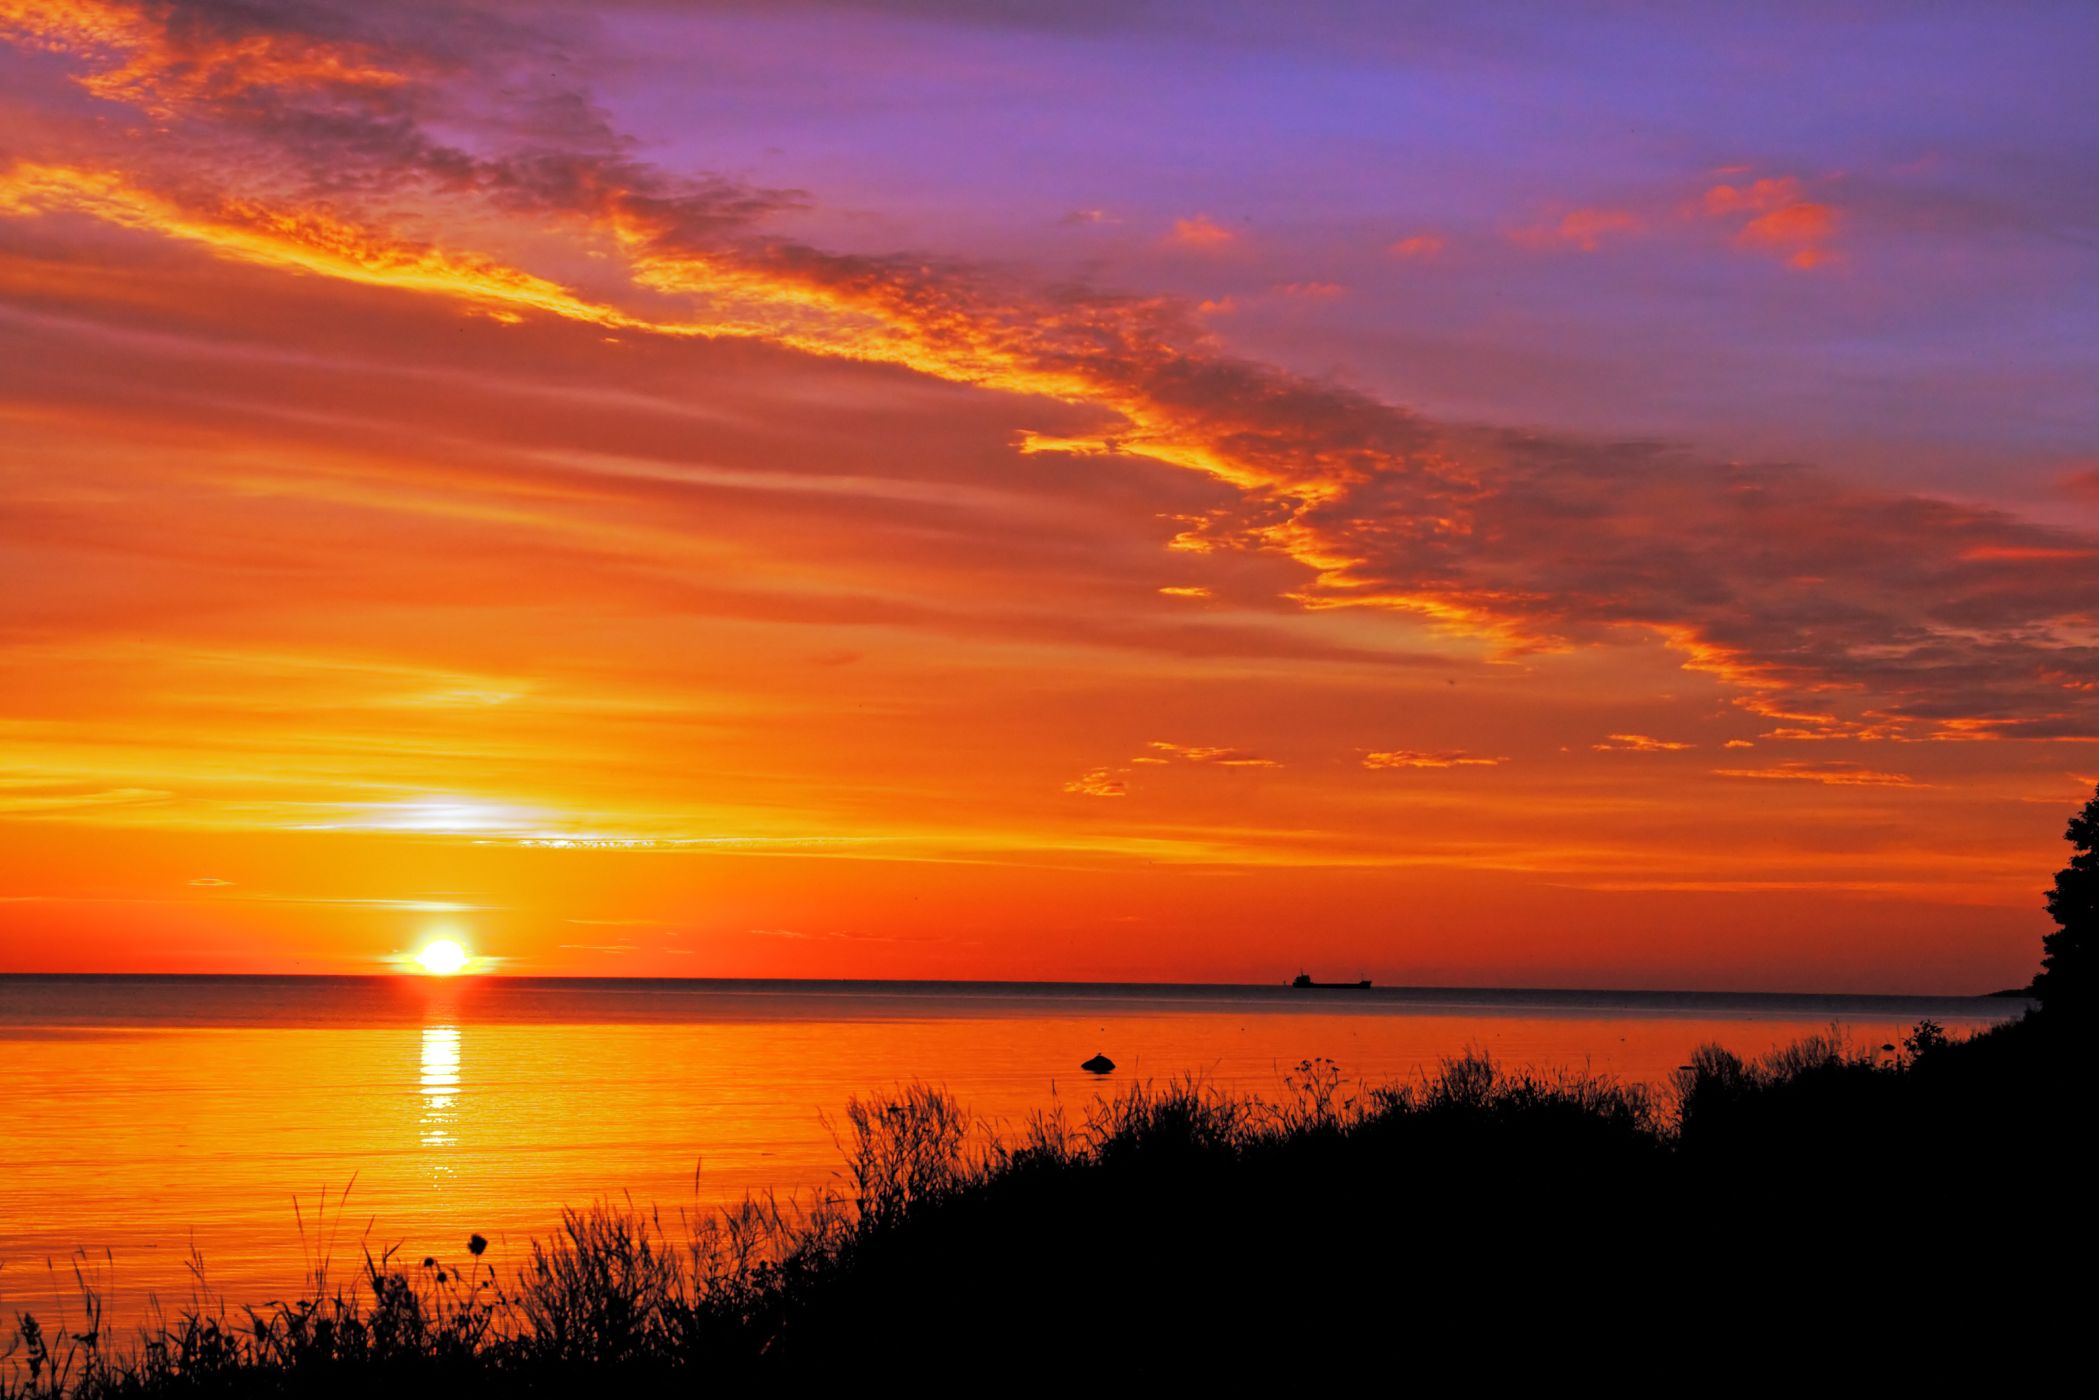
(1948, 343)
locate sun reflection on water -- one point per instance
(440, 1090)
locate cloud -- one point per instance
(1100, 782)
(210, 882)
(1829, 774)
(1419, 245)
(155, 58)
(1200, 231)
(2028, 553)
(1184, 590)
(1114, 782)
(1583, 229)
(1312, 291)
(1418, 758)
(848, 936)
(1888, 613)
(1198, 753)
(1776, 217)
(57, 798)
(1638, 743)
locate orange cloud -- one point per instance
(1196, 753)
(1200, 232)
(1829, 774)
(1638, 743)
(308, 241)
(1419, 245)
(152, 61)
(1418, 758)
(1781, 219)
(1756, 197)
(2023, 553)
(1585, 229)
(1100, 782)
(1381, 509)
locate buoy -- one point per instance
(1099, 1064)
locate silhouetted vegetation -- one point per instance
(2066, 977)
(1888, 1197)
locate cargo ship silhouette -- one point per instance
(1303, 982)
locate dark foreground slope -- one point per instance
(1828, 1214)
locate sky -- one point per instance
(1578, 495)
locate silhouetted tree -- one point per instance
(2065, 980)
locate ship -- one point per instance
(1304, 983)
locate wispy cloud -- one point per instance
(1639, 743)
(1159, 751)
(1829, 774)
(1100, 782)
(1585, 230)
(1420, 758)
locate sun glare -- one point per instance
(442, 958)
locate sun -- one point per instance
(442, 957)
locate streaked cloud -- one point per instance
(1639, 743)
(1159, 751)
(1836, 774)
(1419, 758)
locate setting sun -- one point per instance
(442, 958)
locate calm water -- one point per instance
(147, 1117)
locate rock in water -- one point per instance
(1099, 1064)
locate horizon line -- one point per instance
(2008, 993)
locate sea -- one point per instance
(166, 1141)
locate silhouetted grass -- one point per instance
(1515, 1223)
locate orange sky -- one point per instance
(426, 513)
